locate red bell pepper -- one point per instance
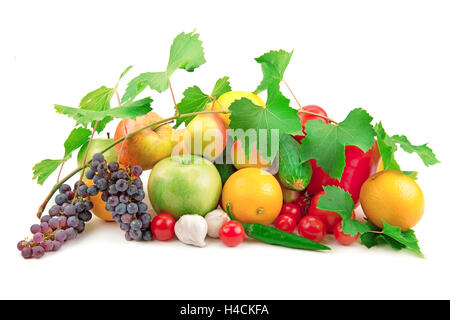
(359, 166)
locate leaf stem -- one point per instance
(292, 93)
(112, 145)
(60, 170)
(124, 128)
(173, 98)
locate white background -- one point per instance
(390, 57)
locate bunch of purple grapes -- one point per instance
(122, 190)
(64, 221)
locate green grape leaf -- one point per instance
(43, 169)
(186, 52)
(340, 201)
(326, 142)
(98, 100)
(124, 72)
(388, 145)
(273, 65)
(263, 124)
(129, 110)
(392, 236)
(77, 138)
(194, 100)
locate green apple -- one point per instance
(97, 145)
(184, 184)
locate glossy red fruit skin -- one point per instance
(163, 227)
(292, 209)
(359, 166)
(304, 117)
(286, 222)
(232, 233)
(341, 237)
(312, 228)
(329, 218)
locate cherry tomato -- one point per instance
(303, 201)
(312, 228)
(329, 218)
(343, 238)
(163, 227)
(232, 233)
(286, 222)
(306, 117)
(292, 209)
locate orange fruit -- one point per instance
(254, 196)
(392, 197)
(99, 205)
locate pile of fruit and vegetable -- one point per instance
(228, 165)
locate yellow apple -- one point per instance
(147, 147)
(225, 100)
(205, 135)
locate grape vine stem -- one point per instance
(127, 136)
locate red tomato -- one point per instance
(343, 238)
(306, 117)
(303, 201)
(312, 228)
(292, 209)
(286, 222)
(163, 227)
(329, 218)
(232, 233)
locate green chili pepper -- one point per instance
(274, 236)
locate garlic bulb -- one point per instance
(215, 219)
(192, 229)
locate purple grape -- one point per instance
(102, 168)
(113, 201)
(122, 174)
(38, 252)
(104, 196)
(20, 245)
(146, 219)
(89, 175)
(88, 205)
(85, 216)
(71, 234)
(70, 195)
(113, 166)
(73, 222)
(142, 207)
(136, 234)
(35, 228)
(121, 208)
(62, 221)
(56, 245)
(124, 198)
(109, 207)
(116, 217)
(27, 252)
(124, 226)
(136, 224)
(132, 208)
(80, 207)
(80, 227)
(138, 183)
(54, 210)
(54, 223)
(70, 210)
(92, 191)
(45, 227)
(82, 191)
(45, 218)
(112, 189)
(136, 171)
(98, 157)
(61, 198)
(47, 245)
(60, 236)
(121, 185)
(147, 236)
(94, 164)
(128, 236)
(139, 196)
(126, 218)
(132, 190)
(64, 188)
